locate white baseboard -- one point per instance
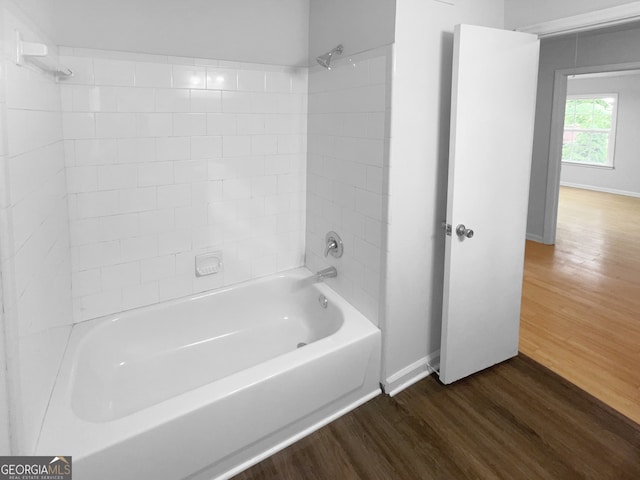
(601, 189)
(411, 374)
(535, 237)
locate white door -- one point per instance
(493, 100)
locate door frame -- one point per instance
(555, 140)
(605, 17)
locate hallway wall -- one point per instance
(588, 49)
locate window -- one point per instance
(589, 129)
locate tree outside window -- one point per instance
(589, 129)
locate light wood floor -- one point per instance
(581, 298)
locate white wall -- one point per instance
(358, 24)
(166, 161)
(259, 31)
(34, 243)
(5, 427)
(347, 169)
(348, 144)
(624, 178)
(40, 13)
(588, 49)
(522, 13)
(225, 170)
(420, 114)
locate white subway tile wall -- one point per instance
(347, 171)
(34, 230)
(169, 157)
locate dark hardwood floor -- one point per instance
(514, 421)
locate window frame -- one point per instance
(612, 131)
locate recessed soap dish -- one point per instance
(208, 264)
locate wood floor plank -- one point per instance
(581, 297)
(517, 420)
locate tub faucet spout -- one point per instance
(329, 272)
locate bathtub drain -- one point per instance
(301, 344)
(323, 301)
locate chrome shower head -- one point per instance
(325, 60)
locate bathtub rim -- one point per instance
(354, 328)
(294, 294)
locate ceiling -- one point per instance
(260, 31)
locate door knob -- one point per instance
(463, 231)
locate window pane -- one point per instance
(599, 147)
(581, 147)
(570, 112)
(588, 125)
(602, 120)
(590, 148)
(584, 106)
(566, 152)
(603, 105)
(584, 120)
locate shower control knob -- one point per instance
(333, 245)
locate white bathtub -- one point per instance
(207, 386)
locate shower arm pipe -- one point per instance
(38, 54)
(325, 59)
(382, 48)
